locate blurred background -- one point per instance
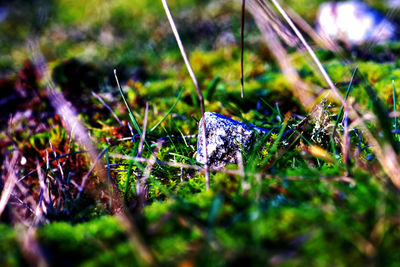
(129, 34)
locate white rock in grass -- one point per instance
(393, 3)
(354, 23)
(226, 138)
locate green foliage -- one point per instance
(68, 245)
(10, 254)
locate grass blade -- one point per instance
(131, 115)
(341, 112)
(169, 111)
(383, 117)
(274, 146)
(346, 96)
(128, 177)
(143, 136)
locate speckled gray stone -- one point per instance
(223, 138)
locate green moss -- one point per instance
(77, 243)
(120, 255)
(302, 211)
(10, 254)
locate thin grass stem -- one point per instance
(196, 85)
(169, 111)
(131, 115)
(143, 136)
(332, 138)
(311, 52)
(128, 176)
(108, 107)
(242, 48)
(110, 188)
(394, 105)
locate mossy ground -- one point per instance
(297, 202)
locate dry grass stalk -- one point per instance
(328, 43)
(300, 89)
(241, 49)
(140, 185)
(143, 136)
(136, 241)
(196, 85)
(10, 180)
(273, 20)
(30, 247)
(58, 162)
(108, 107)
(311, 52)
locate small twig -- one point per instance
(132, 138)
(194, 80)
(26, 175)
(21, 202)
(108, 107)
